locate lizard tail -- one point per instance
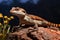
(52, 24)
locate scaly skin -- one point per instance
(29, 19)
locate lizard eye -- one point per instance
(24, 11)
(16, 9)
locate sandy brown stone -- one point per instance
(31, 34)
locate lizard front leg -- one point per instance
(19, 25)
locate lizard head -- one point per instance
(17, 11)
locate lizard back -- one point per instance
(45, 21)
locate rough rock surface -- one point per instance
(31, 34)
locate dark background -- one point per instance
(47, 9)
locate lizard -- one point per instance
(29, 19)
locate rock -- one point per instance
(30, 34)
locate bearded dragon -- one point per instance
(28, 19)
